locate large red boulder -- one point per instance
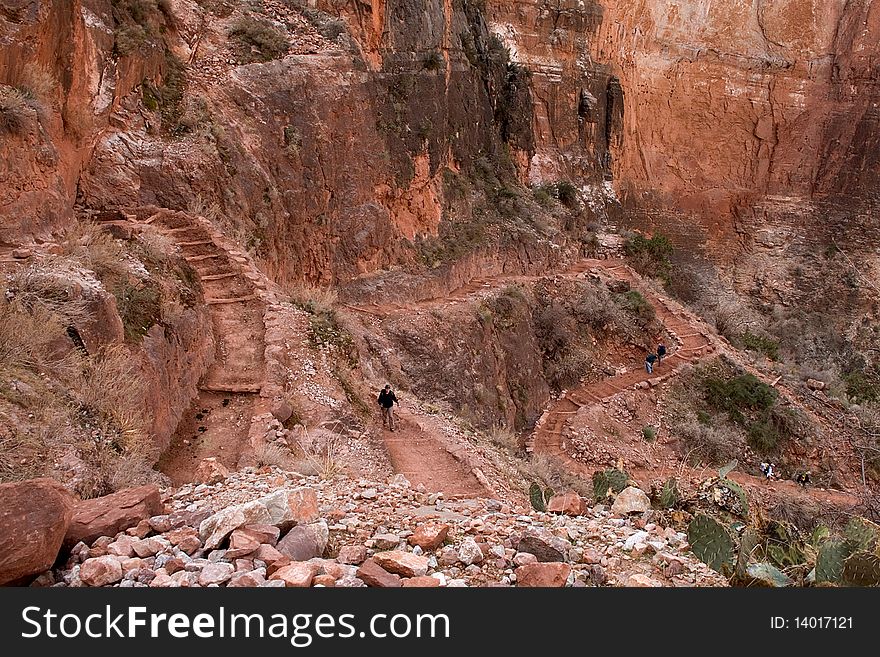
(570, 504)
(34, 517)
(111, 514)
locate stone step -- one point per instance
(216, 302)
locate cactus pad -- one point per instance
(608, 481)
(712, 543)
(862, 569)
(669, 495)
(861, 534)
(829, 561)
(765, 574)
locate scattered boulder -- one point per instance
(274, 509)
(211, 471)
(352, 554)
(248, 579)
(533, 575)
(100, 571)
(305, 542)
(523, 558)
(216, 573)
(570, 504)
(630, 500)
(282, 411)
(386, 541)
(815, 384)
(424, 582)
(641, 581)
(372, 574)
(242, 542)
(268, 554)
(429, 536)
(111, 514)
(35, 516)
(544, 545)
(303, 503)
(469, 552)
(295, 575)
(402, 563)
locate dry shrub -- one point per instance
(319, 453)
(28, 339)
(87, 243)
(506, 439)
(111, 387)
(157, 246)
(14, 110)
(54, 286)
(273, 456)
(315, 300)
(710, 444)
(551, 474)
(39, 84)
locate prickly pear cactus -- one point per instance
(829, 561)
(605, 481)
(861, 534)
(784, 545)
(862, 569)
(765, 574)
(712, 544)
(669, 495)
(748, 548)
(536, 496)
(730, 496)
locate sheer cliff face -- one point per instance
(744, 98)
(710, 120)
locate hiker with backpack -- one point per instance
(661, 352)
(650, 359)
(386, 400)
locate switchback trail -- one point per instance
(421, 457)
(218, 421)
(416, 454)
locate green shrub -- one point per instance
(751, 403)
(761, 344)
(650, 256)
(862, 386)
(258, 40)
(739, 394)
(638, 305)
(649, 433)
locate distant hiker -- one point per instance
(767, 469)
(803, 478)
(650, 359)
(387, 399)
(661, 352)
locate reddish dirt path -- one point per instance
(693, 342)
(218, 421)
(418, 456)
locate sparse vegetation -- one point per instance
(649, 433)
(433, 61)
(760, 343)
(650, 256)
(258, 40)
(138, 23)
(14, 110)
